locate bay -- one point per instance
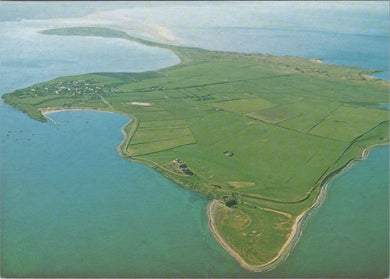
(72, 207)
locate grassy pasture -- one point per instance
(377, 135)
(311, 112)
(253, 232)
(273, 115)
(264, 148)
(160, 145)
(244, 106)
(348, 122)
(157, 136)
(240, 184)
(143, 135)
(163, 124)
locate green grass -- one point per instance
(163, 124)
(254, 231)
(152, 135)
(244, 106)
(288, 123)
(159, 145)
(158, 136)
(349, 122)
(274, 115)
(310, 113)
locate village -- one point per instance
(73, 88)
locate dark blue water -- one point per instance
(72, 207)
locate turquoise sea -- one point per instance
(72, 207)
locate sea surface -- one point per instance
(72, 207)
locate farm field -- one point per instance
(258, 134)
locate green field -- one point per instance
(260, 133)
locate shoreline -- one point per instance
(297, 227)
(125, 139)
(284, 251)
(48, 111)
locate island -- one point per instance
(259, 135)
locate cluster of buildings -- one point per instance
(182, 166)
(73, 88)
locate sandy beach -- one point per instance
(318, 61)
(283, 253)
(296, 230)
(53, 110)
(47, 111)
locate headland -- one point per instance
(278, 127)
